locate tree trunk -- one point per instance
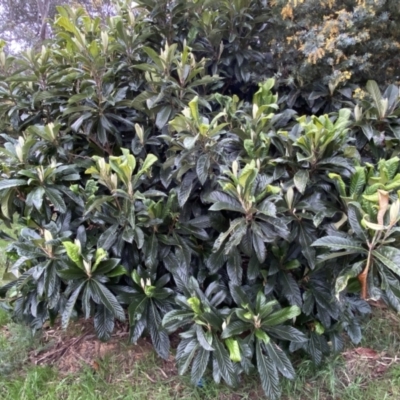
(43, 8)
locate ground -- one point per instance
(75, 365)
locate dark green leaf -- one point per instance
(35, 198)
(280, 360)
(163, 117)
(224, 363)
(289, 333)
(357, 182)
(235, 328)
(199, 365)
(301, 179)
(10, 183)
(259, 248)
(281, 316)
(202, 167)
(234, 268)
(107, 266)
(108, 237)
(69, 307)
(337, 242)
(103, 323)
(150, 251)
(222, 201)
(268, 374)
(56, 199)
(159, 336)
(107, 299)
(204, 338)
(390, 257)
(354, 217)
(185, 190)
(290, 289)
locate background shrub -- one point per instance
(159, 180)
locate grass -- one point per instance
(3, 245)
(351, 377)
(44, 383)
(15, 342)
(145, 381)
(13, 232)
(332, 381)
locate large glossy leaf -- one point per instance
(354, 217)
(259, 248)
(103, 323)
(239, 222)
(267, 207)
(137, 331)
(107, 299)
(163, 116)
(390, 257)
(337, 242)
(268, 373)
(281, 316)
(150, 251)
(301, 179)
(10, 183)
(236, 237)
(35, 198)
(56, 199)
(186, 356)
(106, 266)
(50, 278)
(306, 240)
(69, 307)
(137, 307)
(374, 91)
(216, 260)
(204, 338)
(290, 289)
(199, 365)
(235, 328)
(185, 189)
(108, 237)
(222, 201)
(176, 319)
(202, 167)
(286, 332)
(234, 268)
(158, 334)
(280, 360)
(357, 182)
(148, 162)
(224, 363)
(71, 272)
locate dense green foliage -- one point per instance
(149, 191)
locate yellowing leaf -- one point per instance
(73, 252)
(194, 304)
(234, 350)
(383, 201)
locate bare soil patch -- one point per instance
(70, 351)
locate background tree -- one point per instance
(316, 49)
(27, 23)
